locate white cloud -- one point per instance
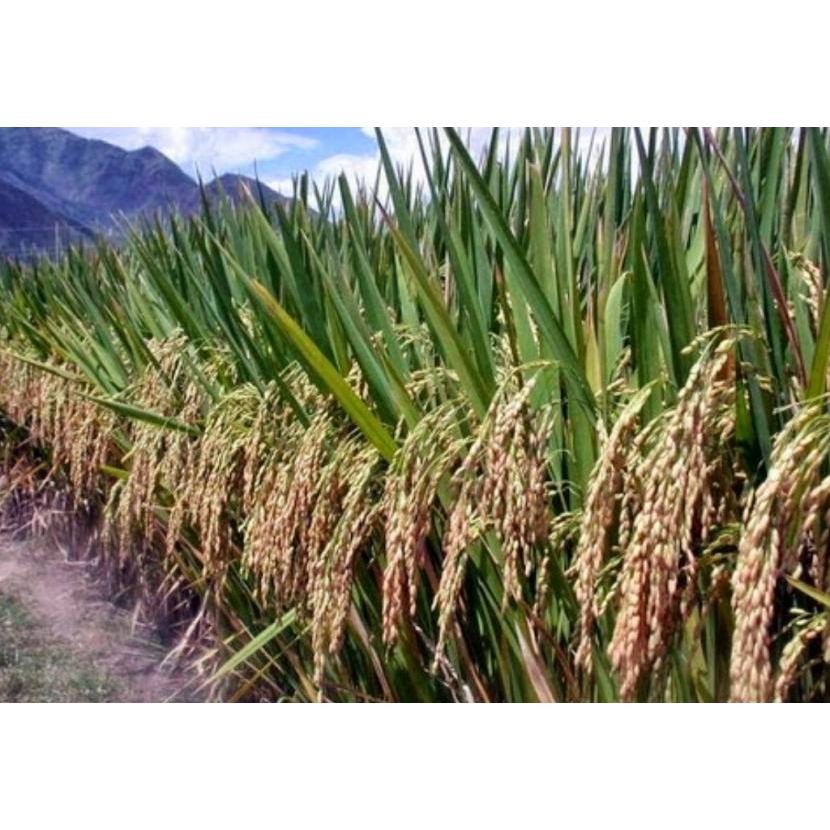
(357, 168)
(402, 144)
(234, 149)
(206, 148)
(284, 186)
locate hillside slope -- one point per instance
(54, 178)
(26, 223)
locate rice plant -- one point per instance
(538, 425)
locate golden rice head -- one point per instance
(425, 457)
(269, 456)
(282, 509)
(157, 457)
(778, 536)
(501, 485)
(793, 653)
(77, 431)
(216, 485)
(332, 564)
(685, 493)
(599, 518)
(464, 525)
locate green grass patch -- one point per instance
(34, 668)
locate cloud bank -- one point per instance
(402, 144)
(203, 149)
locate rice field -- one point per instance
(539, 425)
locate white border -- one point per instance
(391, 63)
(336, 63)
(387, 766)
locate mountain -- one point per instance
(26, 223)
(89, 180)
(51, 178)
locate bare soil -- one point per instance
(61, 640)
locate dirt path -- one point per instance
(62, 641)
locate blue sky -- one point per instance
(278, 152)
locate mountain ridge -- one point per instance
(86, 187)
(27, 223)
